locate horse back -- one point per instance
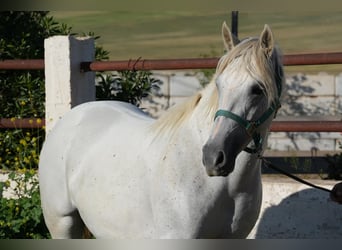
(88, 124)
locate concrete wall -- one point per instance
(310, 97)
(306, 97)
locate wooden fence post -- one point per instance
(65, 85)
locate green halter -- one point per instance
(251, 126)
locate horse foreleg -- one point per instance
(68, 226)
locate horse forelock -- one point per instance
(248, 58)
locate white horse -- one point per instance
(110, 167)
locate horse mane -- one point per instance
(247, 56)
(177, 114)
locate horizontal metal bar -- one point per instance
(28, 64)
(203, 63)
(17, 123)
(306, 126)
(155, 64)
(312, 59)
(170, 64)
(276, 126)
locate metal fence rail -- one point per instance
(21, 123)
(170, 64)
(276, 126)
(203, 63)
(181, 64)
(25, 64)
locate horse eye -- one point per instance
(257, 90)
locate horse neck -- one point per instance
(247, 172)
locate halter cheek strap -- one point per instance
(252, 126)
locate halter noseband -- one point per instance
(251, 126)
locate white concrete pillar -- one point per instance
(65, 85)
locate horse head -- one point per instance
(249, 82)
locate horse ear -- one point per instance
(229, 39)
(267, 41)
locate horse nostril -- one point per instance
(220, 159)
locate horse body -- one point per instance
(151, 197)
(109, 166)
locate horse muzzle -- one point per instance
(217, 162)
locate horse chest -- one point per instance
(199, 208)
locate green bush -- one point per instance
(22, 93)
(21, 216)
(19, 148)
(128, 86)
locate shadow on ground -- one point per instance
(307, 214)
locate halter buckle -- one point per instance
(251, 128)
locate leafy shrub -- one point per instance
(19, 148)
(127, 86)
(22, 37)
(22, 93)
(21, 216)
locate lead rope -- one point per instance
(270, 165)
